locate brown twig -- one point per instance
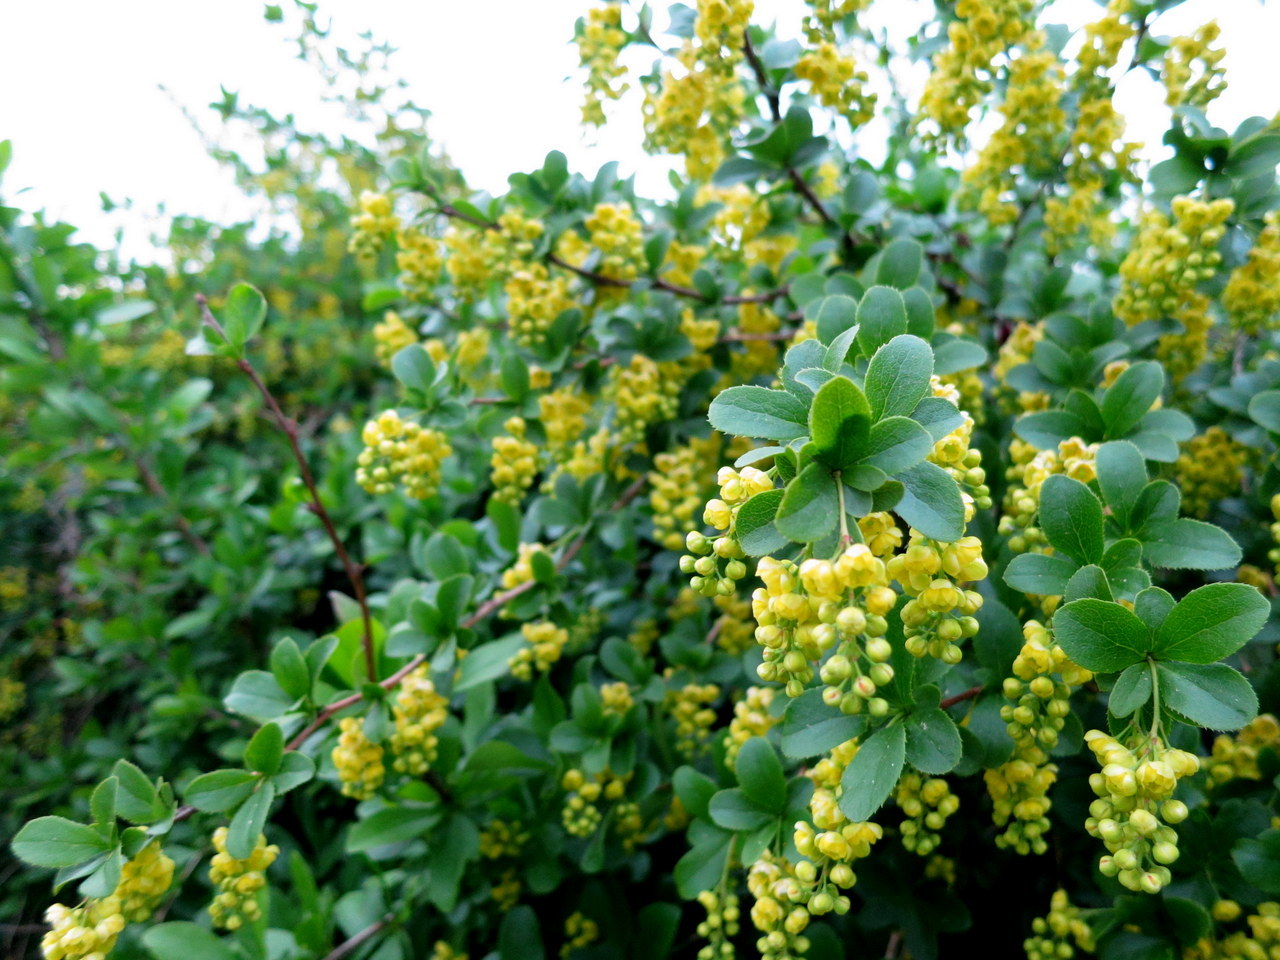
(350, 945)
(961, 697)
(289, 428)
(757, 67)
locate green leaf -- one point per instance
(243, 314)
(1040, 574)
(751, 411)
(181, 940)
(220, 790)
(295, 770)
(882, 315)
(1130, 397)
(1185, 544)
(1258, 860)
(809, 506)
(1122, 475)
(811, 728)
(414, 368)
(255, 694)
(391, 825)
(933, 741)
(487, 662)
(754, 527)
(1212, 622)
(957, 355)
(1132, 690)
(896, 444)
(695, 791)
(873, 772)
(289, 667)
(102, 802)
(838, 423)
(900, 264)
(1071, 518)
(920, 313)
(1100, 636)
(1211, 695)
(1153, 606)
(702, 865)
(137, 800)
(1046, 429)
(1089, 581)
(931, 502)
(833, 315)
(898, 376)
(937, 415)
(265, 750)
(58, 842)
(1264, 410)
(732, 810)
(249, 821)
(760, 775)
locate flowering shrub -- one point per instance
(782, 567)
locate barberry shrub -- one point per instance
(835, 557)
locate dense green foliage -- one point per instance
(573, 571)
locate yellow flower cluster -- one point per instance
(86, 932)
(690, 708)
(927, 805)
(642, 396)
(579, 931)
(477, 256)
(1061, 933)
(1236, 757)
(964, 72)
(618, 234)
(358, 760)
(1015, 351)
(1252, 294)
(803, 612)
(616, 699)
(397, 449)
(534, 300)
(953, 452)
(1029, 470)
(1026, 144)
(144, 880)
(751, 718)
(563, 413)
(675, 487)
(372, 227)
(238, 881)
(721, 925)
(1193, 73)
(420, 259)
(881, 533)
(756, 357)
(502, 839)
(1095, 151)
(776, 914)
(1135, 793)
(682, 260)
(940, 612)
(691, 112)
(442, 951)
(600, 39)
(13, 696)
(582, 814)
(545, 644)
(820, 22)
(391, 336)
(1261, 942)
(514, 462)
(834, 78)
(1210, 467)
(1159, 275)
(521, 571)
(419, 712)
(1038, 696)
(715, 563)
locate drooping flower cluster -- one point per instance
(1252, 294)
(372, 227)
(927, 804)
(690, 707)
(391, 336)
(86, 932)
(751, 718)
(1235, 757)
(1135, 810)
(401, 450)
(238, 881)
(940, 613)
(715, 562)
(358, 760)
(1193, 73)
(419, 711)
(544, 646)
(1028, 472)
(1059, 934)
(676, 487)
(600, 39)
(1210, 467)
(1038, 696)
(514, 463)
(834, 78)
(420, 258)
(144, 880)
(582, 813)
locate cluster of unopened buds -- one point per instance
(715, 563)
(398, 449)
(940, 614)
(238, 881)
(1135, 809)
(927, 805)
(582, 814)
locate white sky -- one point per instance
(83, 107)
